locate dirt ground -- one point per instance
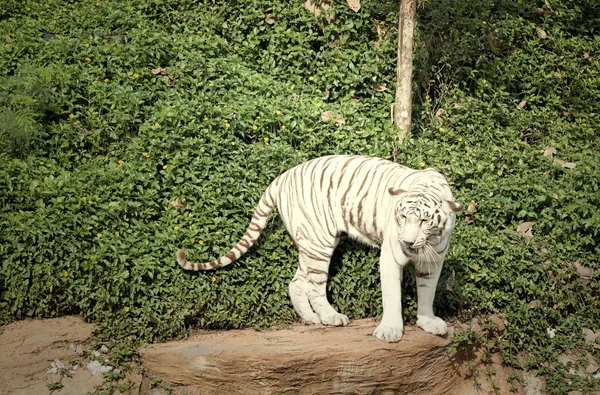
(28, 348)
(55, 356)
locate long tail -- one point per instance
(259, 220)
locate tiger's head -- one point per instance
(423, 219)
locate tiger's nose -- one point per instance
(409, 244)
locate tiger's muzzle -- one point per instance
(413, 248)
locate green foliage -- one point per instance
(466, 341)
(55, 386)
(130, 129)
(26, 105)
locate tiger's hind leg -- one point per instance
(299, 296)
(316, 263)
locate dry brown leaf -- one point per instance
(378, 88)
(327, 94)
(546, 263)
(592, 366)
(309, 5)
(316, 9)
(472, 206)
(158, 70)
(585, 273)
(354, 5)
(356, 102)
(566, 113)
(566, 165)
(542, 11)
(522, 105)
(590, 335)
(548, 5)
(541, 33)
(340, 121)
(549, 151)
(326, 115)
(271, 20)
(534, 303)
(438, 113)
(329, 16)
(177, 202)
(586, 55)
(525, 228)
(450, 282)
(469, 219)
(569, 356)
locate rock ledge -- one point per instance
(306, 359)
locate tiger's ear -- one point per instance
(395, 191)
(456, 207)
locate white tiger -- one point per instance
(408, 213)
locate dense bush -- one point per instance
(129, 129)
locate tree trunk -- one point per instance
(403, 104)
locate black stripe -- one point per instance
(316, 271)
(256, 227)
(244, 243)
(423, 274)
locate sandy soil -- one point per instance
(37, 353)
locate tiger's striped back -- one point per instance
(325, 196)
(349, 194)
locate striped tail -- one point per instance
(259, 220)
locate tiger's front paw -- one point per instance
(311, 320)
(336, 319)
(434, 325)
(390, 334)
